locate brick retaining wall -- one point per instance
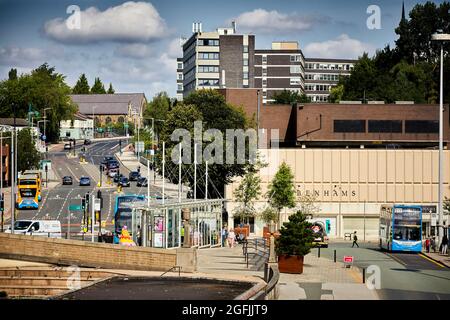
(84, 254)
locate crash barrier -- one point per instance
(94, 254)
(255, 251)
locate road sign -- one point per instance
(75, 207)
(348, 261)
(97, 205)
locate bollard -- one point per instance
(335, 256)
(318, 252)
(364, 275)
(67, 235)
(49, 234)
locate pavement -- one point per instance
(440, 258)
(322, 279)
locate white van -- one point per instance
(46, 228)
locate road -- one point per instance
(404, 276)
(55, 202)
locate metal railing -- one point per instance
(258, 249)
(172, 268)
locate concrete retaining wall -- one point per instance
(88, 254)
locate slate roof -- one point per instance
(116, 103)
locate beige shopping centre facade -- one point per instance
(350, 185)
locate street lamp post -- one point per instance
(45, 118)
(93, 121)
(441, 37)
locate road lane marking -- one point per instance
(64, 203)
(114, 147)
(431, 260)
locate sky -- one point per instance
(134, 44)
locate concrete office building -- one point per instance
(323, 74)
(221, 58)
(180, 79)
(280, 68)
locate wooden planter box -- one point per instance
(290, 264)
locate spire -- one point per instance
(403, 10)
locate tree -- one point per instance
(290, 97)
(12, 74)
(210, 107)
(336, 93)
(281, 190)
(247, 193)
(158, 109)
(308, 205)
(98, 87)
(29, 156)
(42, 88)
(296, 236)
(82, 86)
(110, 89)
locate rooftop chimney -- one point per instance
(233, 25)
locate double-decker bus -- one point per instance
(401, 228)
(123, 213)
(36, 173)
(28, 192)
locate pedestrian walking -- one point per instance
(355, 240)
(182, 235)
(433, 244)
(231, 238)
(444, 244)
(427, 245)
(224, 236)
(138, 236)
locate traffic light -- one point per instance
(83, 203)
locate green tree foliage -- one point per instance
(29, 156)
(336, 93)
(82, 86)
(290, 97)
(158, 109)
(42, 88)
(210, 107)
(281, 190)
(12, 74)
(296, 236)
(111, 89)
(410, 71)
(98, 87)
(246, 194)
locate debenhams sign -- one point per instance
(335, 192)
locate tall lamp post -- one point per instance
(442, 37)
(93, 121)
(45, 118)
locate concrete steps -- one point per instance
(38, 283)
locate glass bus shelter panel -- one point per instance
(173, 227)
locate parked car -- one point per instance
(124, 182)
(87, 142)
(117, 177)
(142, 182)
(134, 176)
(67, 146)
(67, 180)
(85, 181)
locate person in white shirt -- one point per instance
(231, 238)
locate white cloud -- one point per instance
(134, 50)
(263, 21)
(28, 57)
(341, 47)
(128, 22)
(174, 50)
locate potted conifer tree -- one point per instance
(294, 242)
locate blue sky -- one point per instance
(134, 45)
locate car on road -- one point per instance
(134, 176)
(142, 182)
(124, 182)
(67, 180)
(117, 177)
(113, 172)
(87, 142)
(67, 146)
(107, 159)
(112, 164)
(85, 181)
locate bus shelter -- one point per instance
(162, 225)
